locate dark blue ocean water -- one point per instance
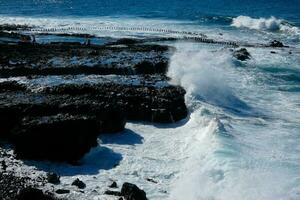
(242, 139)
(168, 9)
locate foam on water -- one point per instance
(264, 24)
(241, 140)
(117, 27)
(235, 156)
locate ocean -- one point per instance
(241, 140)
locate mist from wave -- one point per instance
(232, 155)
(265, 24)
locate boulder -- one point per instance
(276, 43)
(53, 178)
(80, 184)
(62, 191)
(132, 192)
(113, 185)
(33, 194)
(241, 54)
(59, 137)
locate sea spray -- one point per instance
(229, 155)
(202, 73)
(265, 24)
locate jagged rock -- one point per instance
(164, 105)
(113, 185)
(59, 137)
(132, 192)
(62, 191)
(151, 180)
(3, 165)
(80, 184)
(161, 115)
(147, 67)
(9, 118)
(113, 193)
(53, 178)
(11, 86)
(242, 54)
(65, 58)
(276, 43)
(33, 194)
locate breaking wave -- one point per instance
(264, 24)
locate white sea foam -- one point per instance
(264, 24)
(103, 26)
(215, 155)
(231, 157)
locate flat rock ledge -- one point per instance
(57, 98)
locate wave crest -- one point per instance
(264, 24)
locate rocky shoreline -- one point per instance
(57, 98)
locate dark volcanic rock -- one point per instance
(60, 137)
(62, 191)
(147, 67)
(114, 193)
(10, 185)
(132, 192)
(53, 178)
(276, 43)
(33, 194)
(61, 58)
(9, 118)
(127, 41)
(113, 185)
(13, 187)
(11, 86)
(80, 184)
(164, 105)
(242, 54)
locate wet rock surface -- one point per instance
(59, 137)
(241, 54)
(53, 178)
(74, 58)
(276, 43)
(14, 187)
(132, 192)
(56, 98)
(78, 183)
(33, 194)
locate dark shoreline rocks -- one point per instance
(62, 122)
(60, 137)
(129, 191)
(73, 58)
(276, 43)
(13, 187)
(78, 183)
(241, 54)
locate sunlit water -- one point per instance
(242, 138)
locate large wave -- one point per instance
(264, 24)
(202, 74)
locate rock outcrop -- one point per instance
(59, 137)
(131, 192)
(242, 54)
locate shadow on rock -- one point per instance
(127, 137)
(99, 158)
